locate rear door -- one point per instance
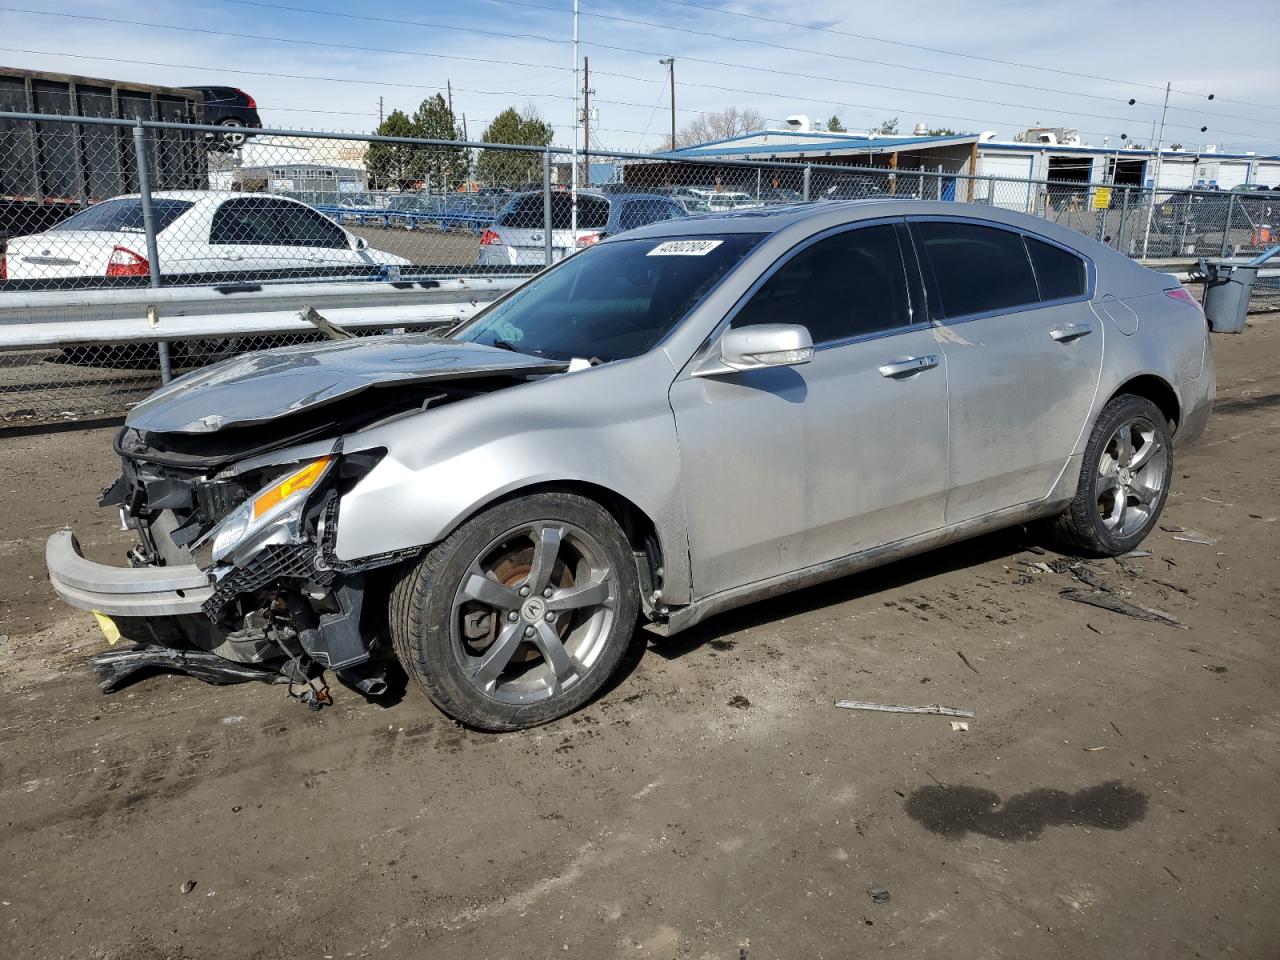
(1023, 352)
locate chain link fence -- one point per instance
(98, 204)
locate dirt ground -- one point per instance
(1115, 795)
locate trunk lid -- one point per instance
(68, 253)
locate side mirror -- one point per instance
(765, 345)
(362, 243)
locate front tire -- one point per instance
(1124, 480)
(522, 614)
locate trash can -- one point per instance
(1227, 288)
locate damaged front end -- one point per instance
(233, 576)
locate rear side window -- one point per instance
(847, 285)
(1060, 274)
(125, 215)
(976, 269)
(525, 213)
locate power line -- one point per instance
(853, 59)
(705, 8)
(703, 60)
(273, 39)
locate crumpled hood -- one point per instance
(258, 387)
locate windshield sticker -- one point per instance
(684, 248)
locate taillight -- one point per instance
(489, 238)
(1179, 293)
(125, 263)
(587, 240)
(250, 104)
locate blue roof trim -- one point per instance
(1118, 151)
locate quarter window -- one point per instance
(976, 269)
(847, 285)
(1060, 274)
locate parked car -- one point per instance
(231, 108)
(674, 422)
(517, 236)
(197, 232)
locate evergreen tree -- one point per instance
(440, 168)
(391, 165)
(508, 167)
(835, 126)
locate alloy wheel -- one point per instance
(532, 614)
(1131, 477)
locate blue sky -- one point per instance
(864, 80)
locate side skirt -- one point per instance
(686, 617)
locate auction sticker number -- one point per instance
(684, 248)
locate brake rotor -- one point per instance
(480, 624)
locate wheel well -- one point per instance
(1158, 392)
(641, 531)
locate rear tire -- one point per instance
(1124, 481)
(235, 136)
(521, 615)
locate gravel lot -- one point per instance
(1114, 796)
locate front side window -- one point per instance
(612, 301)
(976, 269)
(847, 285)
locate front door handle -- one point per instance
(909, 366)
(1070, 331)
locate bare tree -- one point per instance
(729, 122)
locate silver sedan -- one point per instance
(678, 421)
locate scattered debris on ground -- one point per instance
(933, 708)
(1108, 601)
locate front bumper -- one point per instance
(123, 591)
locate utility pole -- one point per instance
(379, 111)
(573, 162)
(1155, 181)
(448, 85)
(586, 121)
(670, 64)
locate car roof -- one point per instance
(195, 196)
(807, 218)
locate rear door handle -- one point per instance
(1070, 331)
(909, 366)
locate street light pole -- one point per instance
(1155, 184)
(573, 163)
(670, 64)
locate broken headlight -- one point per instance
(272, 515)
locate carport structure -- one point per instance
(716, 165)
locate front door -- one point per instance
(1023, 352)
(789, 467)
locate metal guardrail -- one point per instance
(149, 315)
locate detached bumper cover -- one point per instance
(123, 591)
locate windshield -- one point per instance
(125, 215)
(612, 301)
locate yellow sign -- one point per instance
(1102, 198)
